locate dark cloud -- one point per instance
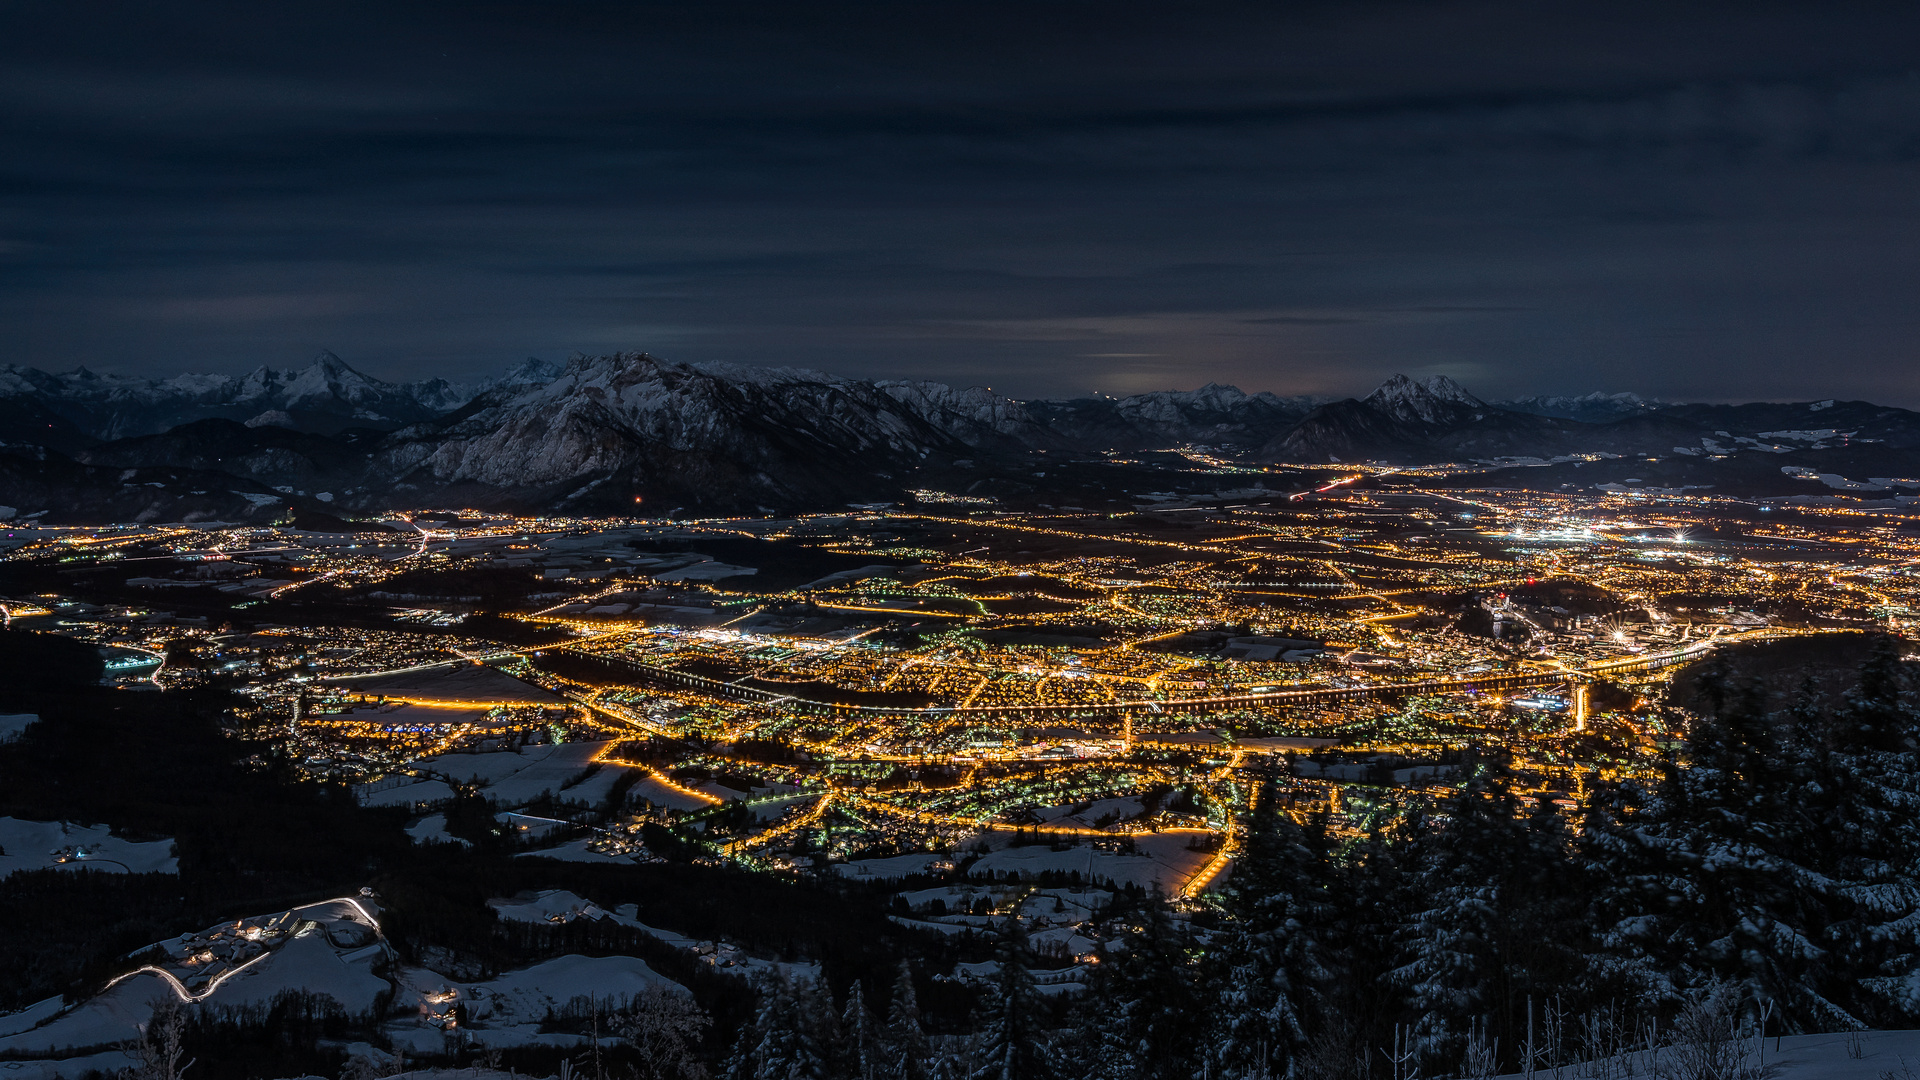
(1301, 320)
(1698, 201)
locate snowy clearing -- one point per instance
(889, 869)
(1163, 858)
(1884, 1055)
(420, 793)
(561, 906)
(432, 829)
(38, 845)
(508, 1010)
(12, 724)
(653, 790)
(576, 851)
(508, 777)
(327, 948)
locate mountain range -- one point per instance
(612, 433)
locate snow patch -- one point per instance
(13, 724)
(40, 845)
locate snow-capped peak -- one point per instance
(1595, 407)
(532, 371)
(329, 377)
(1429, 400)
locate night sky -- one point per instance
(1687, 201)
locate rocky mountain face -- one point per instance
(599, 434)
(36, 481)
(609, 434)
(1808, 448)
(442, 396)
(1212, 415)
(275, 456)
(325, 396)
(1594, 408)
(1408, 422)
(615, 430)
(1834, 422)
(612, 430)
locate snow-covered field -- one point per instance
(1829, 1057)
(889, 869)
(329, 948)
(548, 906)
(931, 926)
(432, 829)
(1061, 905)
(419, 793)
(577, 851)
(508, 1010)
(956, 898)
(452, 683)
(509, 778)
(37, 845)
(105, 1020)
(334, 948)
(1066, 938)
(559, 906)
(1098, 814)
(107, 1062)
(314, 964)
(1162, 858)
(13, 724)
(651, 789)
(1882, 1055)
(1053, 916)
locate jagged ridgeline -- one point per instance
(596, 435)
(606, 434)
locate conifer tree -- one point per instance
(860, 1039)
(1857, 794)
(1140, 1020)
(1266, 978)
(908, 1054)
(1373, 896)
(790, 1036)
(1011, 1042)
(1497, 927)
(1707, 880)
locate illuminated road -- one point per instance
(1217, 703)
(180, 989)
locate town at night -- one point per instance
(981, 541)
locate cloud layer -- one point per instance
(1692, 201)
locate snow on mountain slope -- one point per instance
(326, 395)
(617, 428)
(1594, 408)
(1162, 418)
(443, 396)
(1408, 421)
(1433, 400)
(1400, 413)
(974, 415)
(609, 434)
